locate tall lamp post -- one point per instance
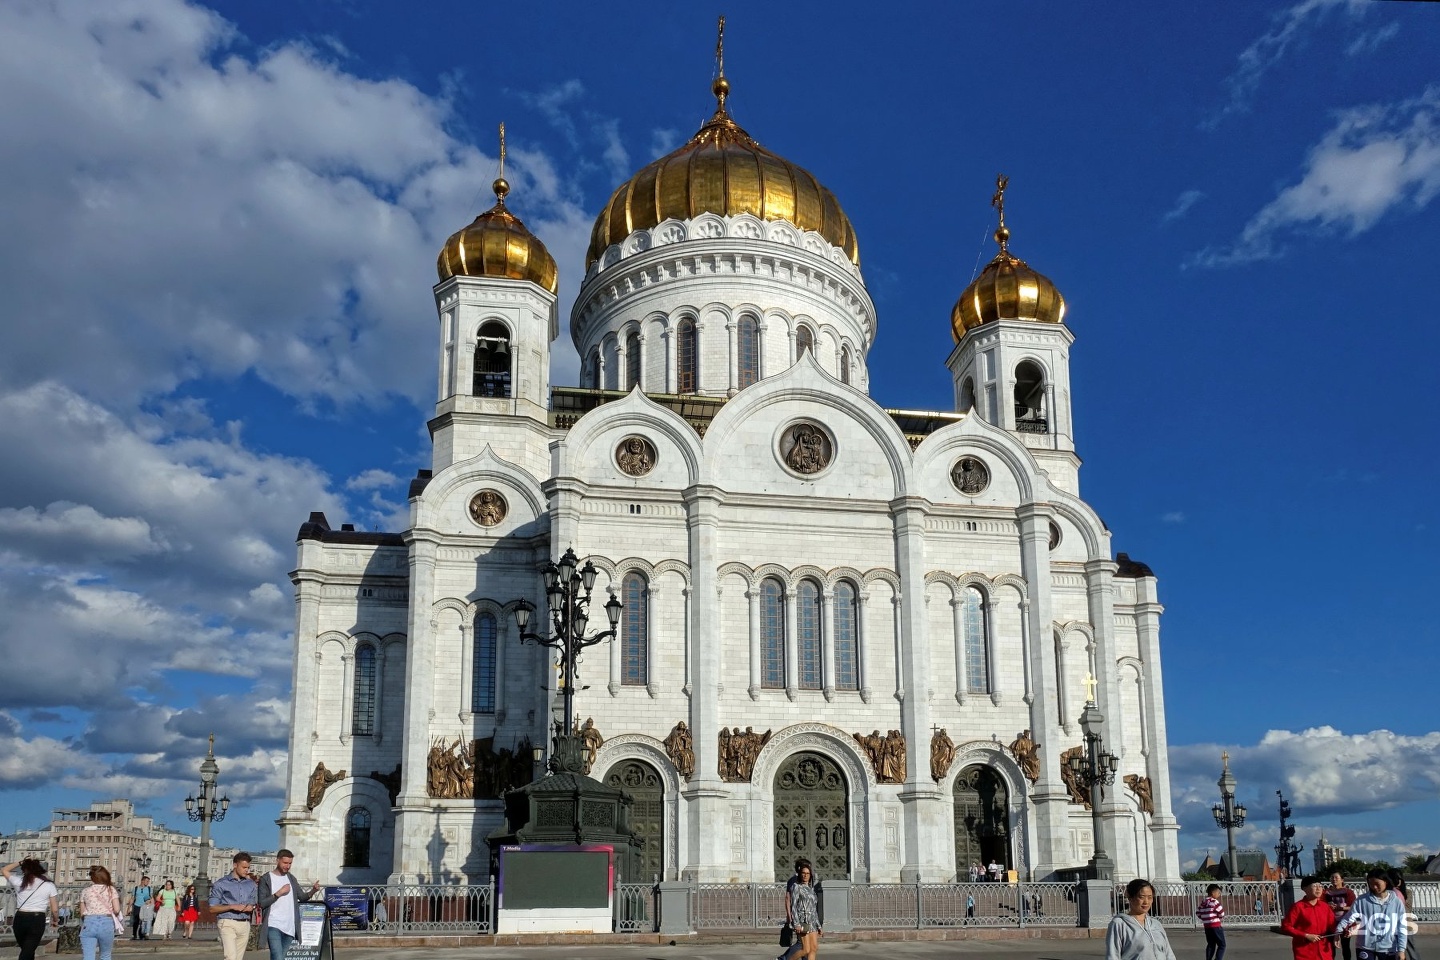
(1094, 771)
(1229, 815)
(208, 807)
(568, 591)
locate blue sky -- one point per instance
(221, 227)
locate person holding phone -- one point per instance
(280, 899)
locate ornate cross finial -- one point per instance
(1090, 682)
(1002, 232)
(501, 186)
(212, 744)
(1225, 758)
(721, 86)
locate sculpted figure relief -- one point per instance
(488, 508)
(1078, 793)
(942, 754)
(1027, 754)
(592, 738)
(738, 752)
(970, 475)
(1140, 786)
(887, 754)
(809, 449)
(320, 781)
(681, 750)
(635, 456)
(464, 771)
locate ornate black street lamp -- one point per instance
(208, 807)
(1094, 771)
(1229, 815)
(568, 591)
(143, 862)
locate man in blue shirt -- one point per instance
(138, 898)
(232, 903)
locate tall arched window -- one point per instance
(804, 341)
(748, 345)
(847, 637)
(595, 382)
(362, 714)
(1030, 398)
(482, 665)
(807, 629)
(635, 631)
(357, 838)
(492, 361)
(845, 364)
(687, 372)
(967, 395)
(977, 675)
(632, 361)
(772, 634)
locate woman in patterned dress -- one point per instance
(802, 910)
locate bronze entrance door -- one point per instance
(647, 816)
(982, 819)
(812, 817)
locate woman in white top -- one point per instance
(35, 895)
(99, 915)
(1133, 935)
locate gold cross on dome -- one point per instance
(502, 148)
(1090, 684)
(1225, 758)
(998, 201)
(720, 47)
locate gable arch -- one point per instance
(821, 738)
(1085, 520)
(486, 466)
(634, 411)
(974, 434)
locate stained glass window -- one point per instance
(807, 628)
(847, 638)
(482, 674)
(634, 631)
(972, 619)
(362, 714)
(772, 634)
(686, 363)
(749, 351)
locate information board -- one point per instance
(349, 907)
(536, 876)
(313, 939)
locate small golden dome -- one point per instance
(1007, 289)
(721, 170)
(496, 244)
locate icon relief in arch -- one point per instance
(635, 456)
(805, 448)
(970, 476)
(488, 508)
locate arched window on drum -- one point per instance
(362, 710)
(772, 634)
(845, 361)
(632, 361)
(635, 631)
(804, 341)
(748, 346)
(976, 641)
(482, 673)
(687, 363)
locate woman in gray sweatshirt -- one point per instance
(1133, 935)
(1379, 919)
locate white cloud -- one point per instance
(372, 480)
(1183, 203)
(1375, 160)
(1289, 28)
(1173, 516)
(1373, 40)
(27, 761)
(71, 529)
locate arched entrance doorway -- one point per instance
(982, 819)
(647, 816)
(812, 817)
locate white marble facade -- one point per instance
(391, 619)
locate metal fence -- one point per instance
(922, 905)
(432, 908)
(737, 906)
(1251, 903)
(636, 908)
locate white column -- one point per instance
(467, 673)
(791, 335)
(412, 808)
(792, 645)
(1062, 686)
(1026, 650)
(706, 857)
(862, 644)
(992, 643)
(896, 603)
(303, 730)
(347, 694)
(644, 355)
(957, 612)
(752, 599)
(652, 602)
(730, 330)
(689, 639)
(1163, 826)
(827, 641)
(668, 335)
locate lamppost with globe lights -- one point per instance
(208, 807)
(1094, 771)
(568, 591)
(1229, 815)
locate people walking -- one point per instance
(166, 900)
(232, 903)
(35, 896)
(1211, 914)
(99, 915)
(1378, 919)
(280, 898)
(1310, 923)
(189, 911)
(141, 894)
(1134, 934)
(802, 911)
(1340, 898)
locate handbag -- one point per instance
(787, 934)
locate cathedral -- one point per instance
(852, 633)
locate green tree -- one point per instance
(1415, 863)
(1349, 867)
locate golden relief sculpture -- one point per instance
(1140, 786)
(1027, 754)
(942, 754)
(635, 456)
(488, 508)
(466, 771)
(320, 781)
(680, 748)
(806, 448)
(1078, 793)
(590, 735)
(738, 752)
(887, 754)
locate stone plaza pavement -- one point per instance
(1188, 944)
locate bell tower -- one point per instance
(496, 302)
(1011, 361)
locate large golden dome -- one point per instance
(721, 170)
(1007, 289)
(496, 244)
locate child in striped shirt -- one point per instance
(1211, 914)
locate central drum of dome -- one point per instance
(722, 170)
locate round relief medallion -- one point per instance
(806, 448)
(635, 456)
(970, 475)
(488, 508)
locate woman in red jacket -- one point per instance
(1310, 924)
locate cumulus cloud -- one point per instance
(26, 762)
(1289, 28)
(1375, 160)
(372, 480)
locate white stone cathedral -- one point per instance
(853, 633)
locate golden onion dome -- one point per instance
(721, 170)
(1007, 289)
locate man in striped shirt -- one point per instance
(1211, 914)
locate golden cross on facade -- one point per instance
(1090, 684)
